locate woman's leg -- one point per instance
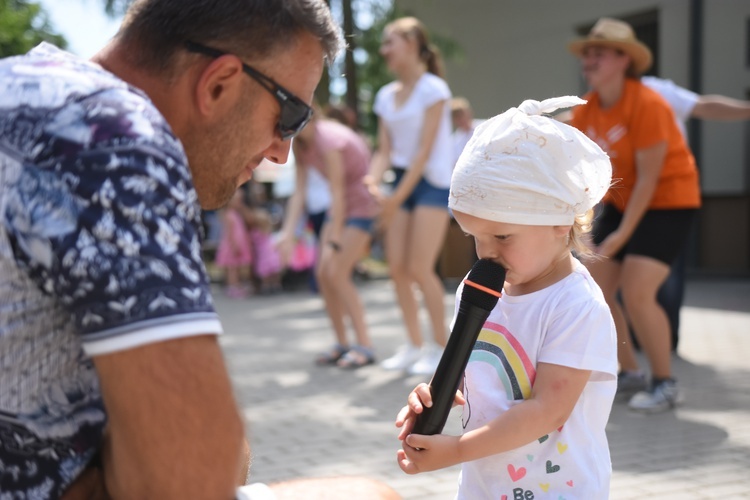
(397, 250)
(607, 273)
(428, 228)
(333, 306)
(335, 276)
(641, 279)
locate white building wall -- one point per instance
(725, 72)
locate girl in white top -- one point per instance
(540, 382)
(414, 130)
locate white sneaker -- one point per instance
(662, 397)
(405, 356)
(428, 361)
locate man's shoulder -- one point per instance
(48, 77)
(69, 106)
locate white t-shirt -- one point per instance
(404, 126)
(681, 100)
(318, 198)
(566, 324)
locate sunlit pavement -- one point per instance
(308, 421)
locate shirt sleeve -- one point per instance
(331, 136)
(378, 107)
(582, 335)
(107, 221)
(653, 120)
(435, 89)
(681, 100)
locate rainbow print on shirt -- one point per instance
(500, 349)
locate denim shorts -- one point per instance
(661, 234)
(424, 193)
(363, 223)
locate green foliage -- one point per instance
(23, 25)
(116, 8)
(373, 72)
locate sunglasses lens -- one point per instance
(294, 117)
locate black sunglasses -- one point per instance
(294, 115)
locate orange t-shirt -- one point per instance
(641, 119)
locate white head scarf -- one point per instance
(522, 167)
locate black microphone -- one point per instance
(481, 292)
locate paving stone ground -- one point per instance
(307, 421)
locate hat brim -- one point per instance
(638, 52)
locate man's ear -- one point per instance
(219, 86)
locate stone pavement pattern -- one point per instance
(308, 421)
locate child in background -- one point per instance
(234, 253)
(541, 379)
(267, 262)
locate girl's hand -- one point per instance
(419, 399)
(285, 247)
(388, 208)
(373, 188)
(427, 453)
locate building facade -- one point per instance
(517, 49)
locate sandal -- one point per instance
(333, 356)
(357, 357)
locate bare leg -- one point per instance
(327, 290)
(335, 279)
(396, 250)
(429, 225)
(232, 276)
(606, 273)
(641, 279)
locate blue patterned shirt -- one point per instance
(99, 252)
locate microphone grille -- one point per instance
(488, 275)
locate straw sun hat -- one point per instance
(619, 35)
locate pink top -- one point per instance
(234, 247)
(355, 156)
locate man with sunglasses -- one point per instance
(111, 378)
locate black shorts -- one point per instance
(661, 234)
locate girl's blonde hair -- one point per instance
(411, 27)
(579, 235)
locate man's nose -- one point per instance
(278, 151)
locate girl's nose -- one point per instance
(486, 251)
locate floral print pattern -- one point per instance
(99, 240)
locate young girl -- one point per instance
(234, 253)
(267, 264)
(541, 378)
(414, 128)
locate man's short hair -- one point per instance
(248, 28)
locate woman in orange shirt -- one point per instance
(646, 216)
